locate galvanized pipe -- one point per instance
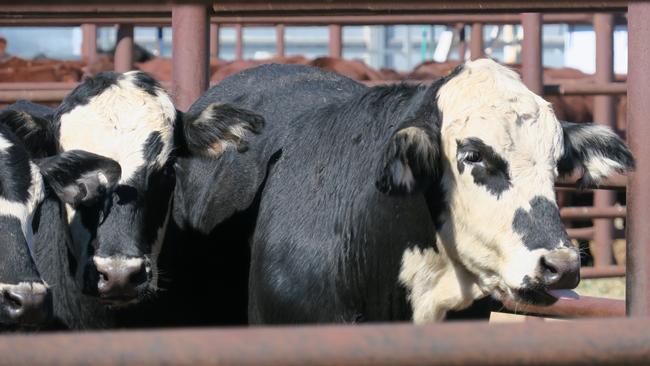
(123, 60)
(279, 40)
(531, 53)
(336, 41)
(239, 42)
(580, 342)
(476, 45)
(214, 40)
(638, 135)
(604, 114)
(190, 34)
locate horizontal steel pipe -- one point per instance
(256, 7)
(570, 18)
(37, 96)
(577, 307)
(602, 272)
(581, 88)
(584, 233)
(618, 341)
(569, 213)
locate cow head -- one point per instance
(25, 300)
(131, 119)
(493, 150)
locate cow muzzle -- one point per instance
(25, 305)
(119, 281)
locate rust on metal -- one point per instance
(190, 52)
(531, 52)
(476, 45)
(602, 272)
(124, 48)
(239, 42)
(575, 307)
(618, 341)
(279, 40)
(336, 41)
(214, 40)
(638, 135)
(604, 114)
(588, 212)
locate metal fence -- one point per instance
(617, 341)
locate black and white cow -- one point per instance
(131, 119)
(25, 293)
(405, 202)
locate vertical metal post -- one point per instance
(531, 58)
(279, 40)
(239, 42)
(336, 41)
(88, 42)
(476, 45)
(214, 40)
(462, 45)
(604, 114)
(123, 57)
(190, 33)
(638, 135)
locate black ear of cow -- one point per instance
(410, 161)
(596, 149)
(218, 127)
(33, 131)
(79, 177)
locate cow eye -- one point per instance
(473, 157)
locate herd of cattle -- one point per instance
(287, 194)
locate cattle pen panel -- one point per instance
(617, 341)
(582, 342)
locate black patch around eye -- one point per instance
(126, 194)
(492, 172)
(153, 146)
(541, 228)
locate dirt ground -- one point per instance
(613, 288)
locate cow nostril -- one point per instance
(12, 301)
(550, 272)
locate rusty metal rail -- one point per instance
(602, 272)
(576, 307)
(583, 342)
(572, 213)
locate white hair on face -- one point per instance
(4, 144)
(33, 287)
(24, 211)
(118, 122)
(479, 251)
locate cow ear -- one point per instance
(596, 149)
(218, 127)
(33, 131)
(79, 177)
(410, 160)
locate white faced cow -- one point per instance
(130, 118)
(404, 202)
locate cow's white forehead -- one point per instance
(118, 122)
(489, 100)
(4, 144)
